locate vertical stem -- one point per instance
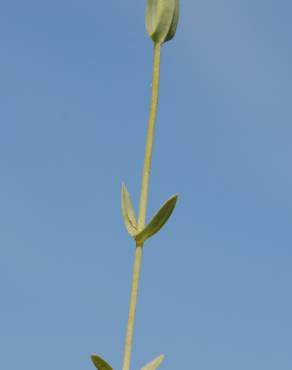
(132, 307)
(143, 206)
(150, 137)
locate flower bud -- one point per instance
(161, 19)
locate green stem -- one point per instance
(132, 307)
(143, 206)
(150, 137)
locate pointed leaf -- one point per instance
(128, 211)
(158, 220)
(153, 365)
(100, 363)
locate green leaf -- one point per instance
(153, 365)
(128, 211)
(158, 220)
(162, 19)
(100, 363)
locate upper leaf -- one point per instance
(153, 365)
(157, 221)
(100, 363)
(128, 211)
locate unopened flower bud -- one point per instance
(161, 19)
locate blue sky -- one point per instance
(216, 281)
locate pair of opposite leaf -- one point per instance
(101, 364)
(154, 225)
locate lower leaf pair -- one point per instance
(101, 364)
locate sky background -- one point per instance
(216, 281)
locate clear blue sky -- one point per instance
(216, 281)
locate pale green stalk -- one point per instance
(143, 206)
(161, 22)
